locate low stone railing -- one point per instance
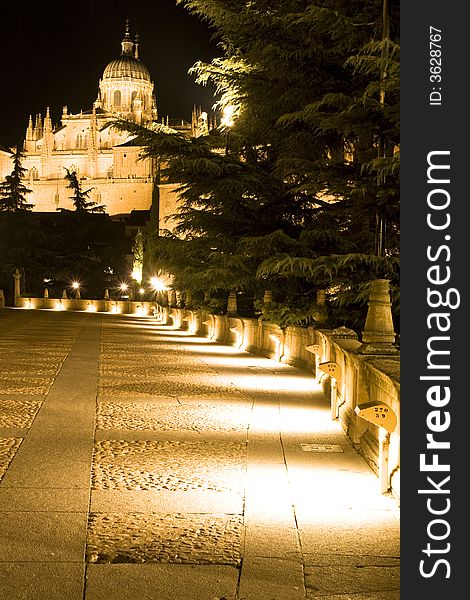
(363, 389)
(110, 306)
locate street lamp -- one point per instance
(76, 287)
(159, 286)
(124, 289)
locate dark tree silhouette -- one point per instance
(12, 190)
(80, 196)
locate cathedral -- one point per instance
(104, 159)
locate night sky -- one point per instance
(53, 54)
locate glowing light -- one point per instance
(124, 287)
(228, 114)
(137, 275)
(141, 291)
(141, 311)
(75, 285)
(91, 307)
(59, 306)
(157, 284)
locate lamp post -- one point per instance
(76, 287)
(158, 286)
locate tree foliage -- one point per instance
(80, 197)
(12, 190)
(290, 197)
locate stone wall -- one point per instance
(120, 196)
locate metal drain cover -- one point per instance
(321, 448)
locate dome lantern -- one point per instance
(127, 44)
(126, 78)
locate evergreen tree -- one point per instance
(311, 160)
(12, 190)
(80, 196)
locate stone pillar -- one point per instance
(179, 299)
(378, 335)
(321, 313)
(46, 293)
(17, 296)
(106, 294)
(268, 297)
(2, 299)
(207, 296)
(232, 303)
(64, 294)
(171, 298)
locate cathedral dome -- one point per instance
(126, 66)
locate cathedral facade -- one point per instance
(121, 178)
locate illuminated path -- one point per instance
(138, 462)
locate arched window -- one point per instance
(34, 173)
(79, 141)
(117, 98)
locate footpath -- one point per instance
(138, 462)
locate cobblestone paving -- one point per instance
(18, 413)
(183, 417)
(141, 371)
(164, 538)
(31, 357)
(8, 448)
(168, 465)
(23, 385)
(166, 387)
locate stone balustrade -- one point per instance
(110, 306)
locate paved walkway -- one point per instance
(137, 462)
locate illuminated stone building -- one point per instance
(104, 159)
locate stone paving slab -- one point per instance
(45, 537)
(161, 582)
(273, 579)
(204, 501)
(44, 500)
(272, 542)
(337, 532)
(41, 581)
(365, 579)
(50, 474)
